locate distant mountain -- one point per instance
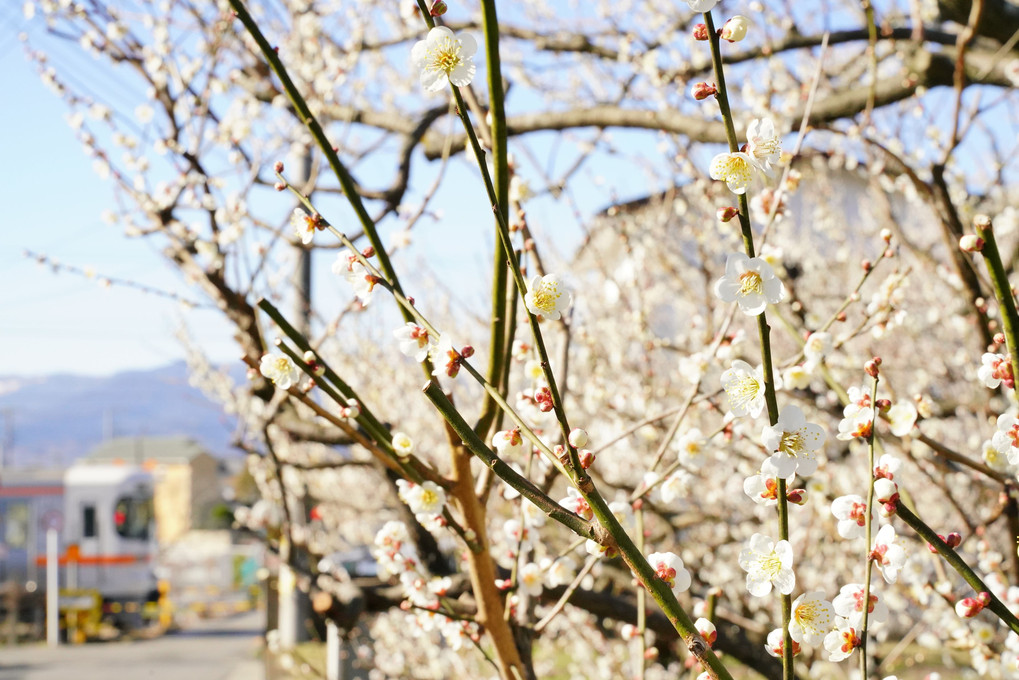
(54, 420)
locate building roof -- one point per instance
(175, 449)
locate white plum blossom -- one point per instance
(857, 416)
(762, 488)
(849, 604)
(1006, 439)
(510, 443)
(775, 644)
(559, 572)
(426, 498)
(548, 296)
(768, 564)
(887, 465)
(851, 512)
(576, 503)
(402, 444)
(794, 442)
(676, 486)
(797, 377)
(812, 618)
(995, 369)
(280, 369)
(889, 557)
(357, 275)
(691, 449)
(530, 579)
(901, 417)
(744, 386)
(670, 569)
(735, 169)
(749, 282)
(414, 340)
(764, 147)
(304, 224)
(993, 457)
(816, 348)
(702, 5)
(443, 56)
(842, 640)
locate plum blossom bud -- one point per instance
(971, 243)
(278, 167)
(968, 607)
(707, 630)
(841, 316)
(727, 213)
(467, 351)
(280, 186)
(883, 404)
(578, 437)
(953, 539)
(702, 91)
(871, 367)
(438, 8)
(543, 398)
(368, 252)
(981, 221)
(866, 265)
(700, 32)
(735, 29)
(586, 458)
(886, 235)
(886, 491)
(797, 496)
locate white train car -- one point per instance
(104, 518)
(109, 536)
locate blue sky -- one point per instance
(52, 204)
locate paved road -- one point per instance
(217, 649)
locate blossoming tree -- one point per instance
(687, 445)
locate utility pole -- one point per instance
(295, 605)
(7, 441)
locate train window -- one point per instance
(132, 517)
(88, 521)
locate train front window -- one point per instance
(132, 517)
(88, 521)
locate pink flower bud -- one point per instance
(886, 235)
(467, 351)
(735, 29)
(586, 458)
(438, 9)
(971, 243)
(727, 213)
(278, 167)
(953, 539)
(700, 32)
(968, 607)
(871, 368)
(280, 186)
(368, 252)
(702, 91)
(707, 630)
(797, 496)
